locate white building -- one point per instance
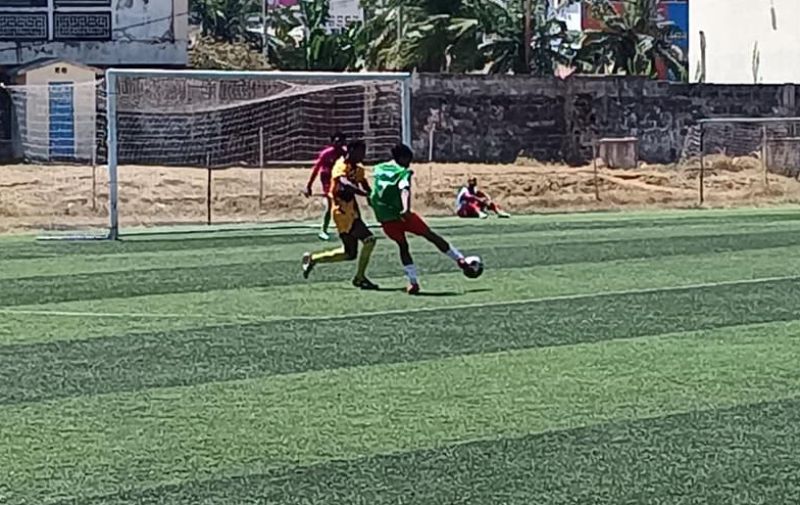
(569, 13)
(747, 41)
(95, 32)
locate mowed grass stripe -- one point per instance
(233, 352)
(484, 237)
(445, 290)
(49, 289)
(100, 445)
(25, 249)
(718, 456)
(314, 299)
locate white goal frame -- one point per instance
(113, 74)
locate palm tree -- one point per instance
(630, 42)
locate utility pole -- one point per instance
(399, 35)
(264, 8)
(528, 35)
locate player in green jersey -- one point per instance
(391, 201)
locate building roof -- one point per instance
(43, 62)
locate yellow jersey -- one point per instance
(345, 213)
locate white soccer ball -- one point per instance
(474, 267)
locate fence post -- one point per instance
(596, 176)
(260, 169)
(208, 189)
(94, 176)
(701, 188)
(431, 134)
(764, 154)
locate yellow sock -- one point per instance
(331, 256)
(363, 258)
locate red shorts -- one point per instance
(396, 230)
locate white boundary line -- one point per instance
(130, 315)
(417, 310)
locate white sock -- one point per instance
(411, 273)
(454, 254)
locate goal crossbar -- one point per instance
(113, 75)
(744, 120)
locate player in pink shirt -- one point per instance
(323, 168)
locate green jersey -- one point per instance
(390, 180)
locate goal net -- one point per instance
(147, 148)
(54, 135)
(165, 125)
(763, 151)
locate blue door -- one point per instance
(62, 121)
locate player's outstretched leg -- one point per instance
(445, 247)
(310, 260)
(348, 252)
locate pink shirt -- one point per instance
(327, 158)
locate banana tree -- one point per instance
(426, 35)
(303, 41)
(224, 20)
(630, 42)
(504, 48)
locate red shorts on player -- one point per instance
(413, 223)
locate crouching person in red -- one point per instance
(472, 202)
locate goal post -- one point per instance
(766, 145)
(214, 119)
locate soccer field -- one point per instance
(602, 358)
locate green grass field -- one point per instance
(601, 359)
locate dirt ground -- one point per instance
(61, 197)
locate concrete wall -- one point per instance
(498, 118)
(128, 32)
(489, 118)
(734, 29)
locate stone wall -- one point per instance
(498, 118)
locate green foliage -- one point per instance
(224, 19)
(630, 42)
(551, 42)
(450, 36)
(423, 35)
(301, 41)
(208, 53)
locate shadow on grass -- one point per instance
(436, 294)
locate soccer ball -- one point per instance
(474, 267)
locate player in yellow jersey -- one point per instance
(348, 180)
